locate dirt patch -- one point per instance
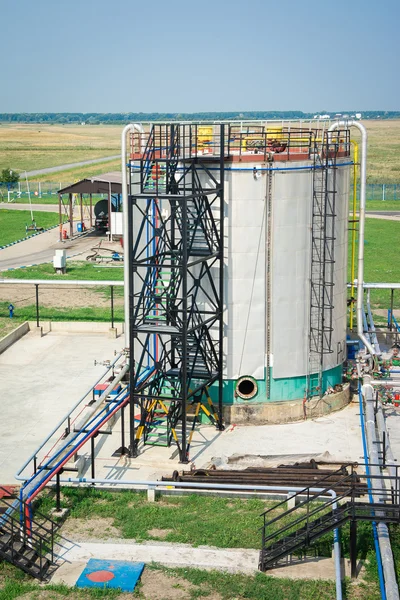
(41, 595)
(168, 504)
(159, 533)
(55, 297)
(83, 530)
(158, 586)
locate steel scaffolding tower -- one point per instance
(175, 247)
(322, 259)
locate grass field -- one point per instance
(187, 584)
(381, 259)
(35, 146)
(383, 151)
(200, 521)
(12, 223)
(76, 270)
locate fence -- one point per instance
(382, 191)
(43, 189)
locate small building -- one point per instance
(80, 194)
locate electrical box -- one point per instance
(60, 261)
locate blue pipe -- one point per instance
(94, 422)
(266, 169)
(374, 529)
(53, 468)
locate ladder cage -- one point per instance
(326, 151)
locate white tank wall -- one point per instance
(245, 270)
(245, 313)
(290, 280)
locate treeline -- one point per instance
(120, 118)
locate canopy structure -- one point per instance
(106, 183)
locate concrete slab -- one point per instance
(173, 555)
(41, 378)
(337, 436)
(233, 560)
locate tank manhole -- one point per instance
(246, 388)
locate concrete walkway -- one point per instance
(172, 555)
(41, 378)
(231, 560)
(35, 207)
(41, 248)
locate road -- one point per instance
(69, 166)
(35, 207)
(41, 248)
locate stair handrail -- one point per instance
(303, 517)
(314, 485)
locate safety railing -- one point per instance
(31, 547)
(64, 426)
(315, 513)
(203, 141)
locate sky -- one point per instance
(199, 55)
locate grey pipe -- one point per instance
(392, 591)
(361, 229)
(127, 129)
(226, 486)
(386, 382)
(390, 460)
(373, 336)
(81, 424)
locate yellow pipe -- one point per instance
(353, 233)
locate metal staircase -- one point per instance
(322, 259)
(176, 253)
(29, 545)
(319, 512)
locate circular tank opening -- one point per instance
(246, 388)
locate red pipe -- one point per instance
(75, 449)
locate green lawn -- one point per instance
(379, 205)
(12, 223)
(188, 584)
(219, 522)
(75, 270)
(381, 259)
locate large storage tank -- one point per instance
(268, 257)
(272, 177)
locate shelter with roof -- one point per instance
(81, 194)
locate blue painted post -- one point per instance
(11, 310)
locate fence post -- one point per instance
(37, 304)
(391, 310)
(383, 192)
(112, 306)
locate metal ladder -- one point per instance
(322, 261)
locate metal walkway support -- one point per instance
(176, 285)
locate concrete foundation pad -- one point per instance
(41, 378)
(60, 514)
(232, 560)
(13, 336)
(263, 413)
(173, 555)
